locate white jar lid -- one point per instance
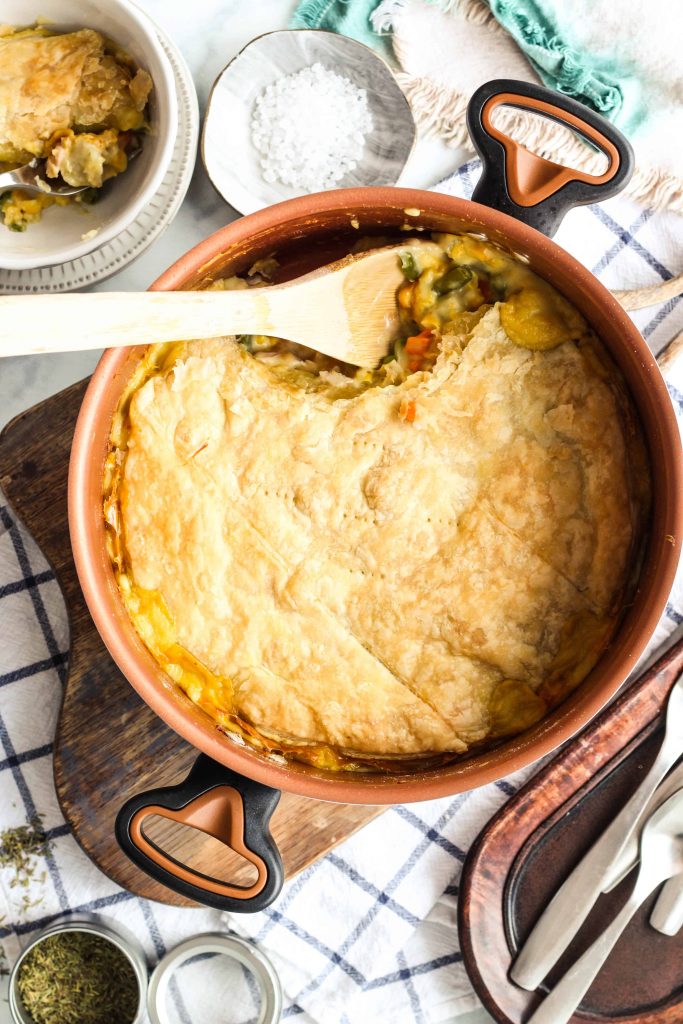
(227, 945)
(6, 1016)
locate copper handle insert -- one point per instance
(532, 178)
(218, 813)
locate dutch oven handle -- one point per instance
(231, 808)
(528, 187)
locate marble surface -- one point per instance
(209, 36)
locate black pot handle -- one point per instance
(223, 804)
(537, 191)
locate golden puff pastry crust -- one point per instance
(381, 583)
(50, 83)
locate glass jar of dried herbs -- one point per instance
(85, 969)
(79, 973)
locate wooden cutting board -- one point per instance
(109, 744)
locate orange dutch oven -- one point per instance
(518, 202)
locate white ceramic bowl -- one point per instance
(230, 158)
(59, 235)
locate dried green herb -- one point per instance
(19, 847)
(78, 978)
(4, 966)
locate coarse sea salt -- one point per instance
(310, 128)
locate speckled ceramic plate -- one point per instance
(230, 158)
(116, 254)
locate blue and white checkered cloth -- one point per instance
(368, 933)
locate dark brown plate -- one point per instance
(532, 844)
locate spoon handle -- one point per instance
(34, 324)
(559, 1005)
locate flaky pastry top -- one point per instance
(383, 583)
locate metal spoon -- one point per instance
(27, 177)
(661, 857)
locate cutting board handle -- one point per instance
(219, 802)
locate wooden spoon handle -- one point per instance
(641, 298)
(76, 322)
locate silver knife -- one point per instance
(574, 900)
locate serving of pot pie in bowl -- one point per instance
(87, 93)
(383, 584)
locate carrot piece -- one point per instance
(418, 344)
(416, 348)
(407, 410)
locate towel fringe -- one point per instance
(384, 16)
(309, 14)
(471, 10)
(440, 113)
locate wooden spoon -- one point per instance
(348, 310)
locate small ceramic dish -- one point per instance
(230, 158)
(68, 232)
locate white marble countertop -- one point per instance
(209, 35)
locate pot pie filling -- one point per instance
(359, 567)
(75, 100)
